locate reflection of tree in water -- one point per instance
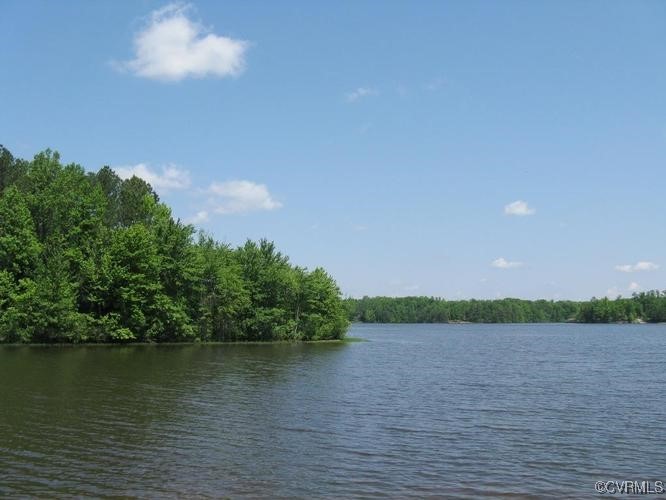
(144, 413)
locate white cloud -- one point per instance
(172, 47)
(518, 207)
(502, 263)
(198, 218)
(360, 93)
(639, 266)
(239, 197)
(614, 291)
(171, 178)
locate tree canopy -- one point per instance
(89, 257)
(644, 306)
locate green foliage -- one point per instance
(19, 248)
(649, 307)
(11, 169)
(320, 313)
(93, 258)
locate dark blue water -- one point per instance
(417, 411)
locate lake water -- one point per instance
(416, 411)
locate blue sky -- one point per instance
(457, 149)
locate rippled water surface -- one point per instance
(416, 411)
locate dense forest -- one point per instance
(88, 257)
(648, 307)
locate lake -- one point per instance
(416, 411)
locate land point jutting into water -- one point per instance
(89, 257)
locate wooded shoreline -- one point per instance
(644, 307)
(88, 257)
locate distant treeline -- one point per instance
(89, 257)
(648, 307)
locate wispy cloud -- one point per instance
(502, 263)
(616, 291)
(360, 93)
(518, 207)
(240, 197)
(172, 47)
(198, 218)
(171, 178)
(639, 266)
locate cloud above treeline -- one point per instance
(172, 46)
(241, 197)
(224, 198)
(199, 217)
(518, 207)
(639, 266)
(616, 291)
(171, 177)
(502, 263)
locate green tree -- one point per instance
(19, 248)
(136, 202)
(90, 257)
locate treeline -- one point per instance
(88, 257)
(645, 306)
(648, 307)
(436, 310)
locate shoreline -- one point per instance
(347, 340)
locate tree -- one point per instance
(90, 257)
(44, 309)
(11, 169)
(323, 315)
(19, 247)
(136, 202)
(110, 185)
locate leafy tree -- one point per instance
(19, 248)
(223, 295)
(88, 257)
(11, 169)
(110, 185)
(136, 202)
(321, 315)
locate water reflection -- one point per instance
(453, 410)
